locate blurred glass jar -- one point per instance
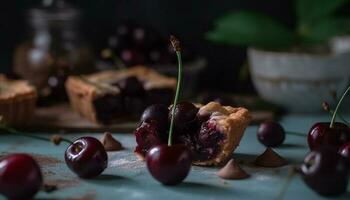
(52, 50)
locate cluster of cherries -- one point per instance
(326, 168)
(169, 164)
(21, 176)
(135, 44)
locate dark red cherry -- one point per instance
(321, 134)
(184, 116)
(325, 171)
(169, 165)
(271, 134)
(20, 176)
(86, 157)
(156, 112)
(148, 135)
(344, 151)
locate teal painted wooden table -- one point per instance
(127, 178)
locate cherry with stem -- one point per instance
(272, 134)
(330, 133)
(323, 170)
(170, 164)
(176, 45)
(86, 156)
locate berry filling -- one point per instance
(208, 142)
(133, 99)
(130, 86)
(202, 137)
(147, 136)
(108, 107)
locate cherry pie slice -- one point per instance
(106, 96)
(17, 100)
(212, 136)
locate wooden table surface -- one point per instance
(127, 178)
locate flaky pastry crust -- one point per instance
(231, 122)
(82, 92)
(17, 100)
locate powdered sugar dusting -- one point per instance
(126, 161)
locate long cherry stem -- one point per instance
(327, 108)
(16, 132)
(338, 105)
(340, 117)
(176, 45)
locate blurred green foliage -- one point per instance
(317, 22)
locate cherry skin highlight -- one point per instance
(321, 134)
(169, 165)
(344, 151)
(185, 116)
(20, 176)
(158, 113)
(86, 157)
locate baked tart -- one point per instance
(212, 131)
(17, 100)
(106, 96)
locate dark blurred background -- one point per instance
(189, 20)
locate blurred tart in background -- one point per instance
(106, 96)
(17, 100)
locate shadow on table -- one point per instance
(203, 189)
(347, 195)
(243, 158)
(289, 145)
(107, 179)
(248, 159)
(53, 198)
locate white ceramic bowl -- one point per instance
(298, 82)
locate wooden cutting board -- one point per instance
(62, 117)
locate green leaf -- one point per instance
(323, 30)
(251, 29)
(309, 10)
